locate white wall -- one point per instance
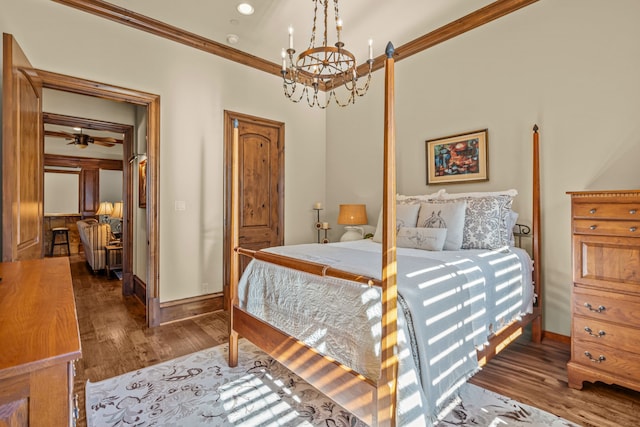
(110, 186)
(570, 66)
(195, 88)
(61, 193)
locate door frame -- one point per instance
(65, 83)
(127, 180)
(229, 118)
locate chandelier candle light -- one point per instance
(326, 67)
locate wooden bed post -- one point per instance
(536, 327)
(387, 385)
(233, 254)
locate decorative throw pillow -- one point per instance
(406, 216)
(445, 214)
(487, 224)
(430, 239)
(488, 218)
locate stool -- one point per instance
(62, 231)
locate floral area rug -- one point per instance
(201, 390)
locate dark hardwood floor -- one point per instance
(115, 340)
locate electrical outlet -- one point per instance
(205, 288)
(180, 205)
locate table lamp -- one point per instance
(104, 210)
(352, 216)
(117, 214)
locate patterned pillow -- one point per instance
(488, 218)
(430, 239)
(406, 216)
(487, 222)
(445, 214)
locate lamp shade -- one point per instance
(105, 208)
(353, 215)
(117, 210)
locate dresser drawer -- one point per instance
(607, 306)
(606, 262)
(620, 363)
(624, 211)
(595, 331)
(601, 227)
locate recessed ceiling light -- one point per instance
(232, 38)
(245, 9)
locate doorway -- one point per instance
(105, 151)
(261, 192)
(151, 102)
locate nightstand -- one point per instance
(114, 260)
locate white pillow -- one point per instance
(408, 200)
(446, 196)
(445, 214)
(406, 216)
(431, 239)
(513, 220)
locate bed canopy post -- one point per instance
(387, 386)
(234, 260)
(536, 328)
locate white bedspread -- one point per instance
(449, 304)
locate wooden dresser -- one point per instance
(39, 340)
(605, 334)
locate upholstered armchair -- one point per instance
(94, 237)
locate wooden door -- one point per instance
(22, 156)
(261, 182)
(89, 191)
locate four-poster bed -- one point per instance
(371, 393)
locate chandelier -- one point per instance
(323, 67)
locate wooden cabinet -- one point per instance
(605, 334)
(40, 340)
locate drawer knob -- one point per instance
(633, 211)
(593, 227)
(600, 308)
(590, 332)
(600, 358)
(592, 211)
(632, 229)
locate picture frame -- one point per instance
(142, 184)
(458, 158)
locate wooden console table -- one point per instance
(40, 340)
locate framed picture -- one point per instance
(458, 158)
(142, 184)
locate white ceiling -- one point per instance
(265, 33)
(62, 146)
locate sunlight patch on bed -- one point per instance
(435, 359)
(444, 333)
(446, 313)
(442, 296)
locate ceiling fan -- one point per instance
(82, 140)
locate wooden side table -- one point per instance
(114, 260)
